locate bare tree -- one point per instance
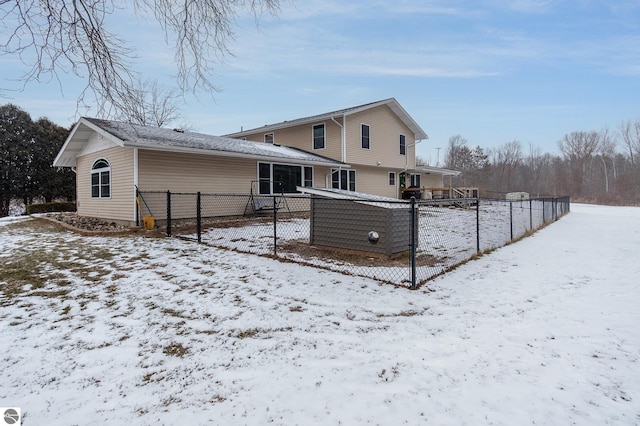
(630, 134)
(607, 151)
(458, 154)
(151, 105)
(508, 158)
(578, 148)
(55, 37)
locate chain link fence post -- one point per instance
(275, 227)
(511, 220)
(198, 217)
(414, 230)
(478, 225)
(168, 213)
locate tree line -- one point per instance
(594, 166)
(28, 149)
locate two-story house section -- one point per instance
(377, 140)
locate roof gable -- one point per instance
(174, 140)
(392, 103)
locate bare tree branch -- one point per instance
(57, 37)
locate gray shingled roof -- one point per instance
(157, 138)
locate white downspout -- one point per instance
(406, 160)
(343, 137)
(343, 148)
(406, 157)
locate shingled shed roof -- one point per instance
(176, 140)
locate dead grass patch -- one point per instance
(175, 349)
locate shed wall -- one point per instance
(121, 205)
(346, 224)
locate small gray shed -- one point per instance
(344, 220)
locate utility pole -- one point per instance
(438, 158)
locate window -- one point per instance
(392, 178)
(343, 179)
(364, 136)
(318, 136)
(403, 145)
(101, 179)
(283, 178)
(268, 138)
(415, 181)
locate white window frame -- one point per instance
(402, 141)
(340, 183)
(324, 136)
(413, 177)
(392, 178)
(304, 181)
(101, 173)
(362, 126)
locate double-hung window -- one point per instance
(343, 179)
(365, 139)
(283, 178)
(392, 178)
(319, 137)
(268, 138)
(403, 145)
(101, 179)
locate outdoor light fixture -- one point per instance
(374, 237)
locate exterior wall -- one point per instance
(230, 178)
(375, 180)
(177, 172)
(302, 137)
(120, 206)
(385, 129)
(431, 180)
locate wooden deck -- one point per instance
(445, 193)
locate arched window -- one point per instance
(101, 179)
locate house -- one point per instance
(111, 159)
(368, 148)
(377, 140)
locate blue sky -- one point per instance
(492, 71)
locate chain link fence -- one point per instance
(401, 242)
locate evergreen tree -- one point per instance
(51, 183)
(16, 140)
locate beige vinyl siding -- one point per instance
(190, 173)
(375, 180)
(179, 172)
(121, 205)
(431, 180)
(384, 131)
(302, 137)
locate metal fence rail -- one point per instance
(400, 242)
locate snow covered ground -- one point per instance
(144, 331)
